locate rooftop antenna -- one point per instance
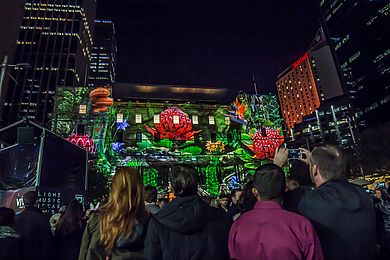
(254, 83)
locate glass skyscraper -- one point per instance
(358, 33)
(103, 60)
(55, 38)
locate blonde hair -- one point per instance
(125, 203)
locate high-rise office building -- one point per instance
(103, 58)
(298, 95)
(358, 33)
(312, 99)
(55, 38)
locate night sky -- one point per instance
(209, 42)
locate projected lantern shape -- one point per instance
(174, 124)
(83, 141)
(100, 99)
(264, 146)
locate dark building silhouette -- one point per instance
(104, 50)
(55, 38)
(358, 33)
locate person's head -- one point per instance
(291, 184)
(7, 217)
(327, 162)
(71, 219)
(236, 195)
(387, 186)
(184, 180)
(378, 194)
(126, 202)
(247, 200)
(224, 200)
(30, 198)
(269, 183)
(150, 194)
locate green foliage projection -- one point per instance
(66, 111)
(236, 158)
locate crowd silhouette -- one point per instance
(271, 217)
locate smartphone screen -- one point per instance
(294, 153)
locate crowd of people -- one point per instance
(271, 217)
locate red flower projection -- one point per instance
(83, 141)
(264, 146)
(166, 129)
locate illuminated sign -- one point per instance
(302, 59)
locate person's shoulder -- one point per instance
(217, 214)
(94, 219)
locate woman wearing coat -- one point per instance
(118, 229)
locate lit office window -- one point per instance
(156, 119)
(138, 118)
(176, 120)
(195, 120)
(211, 120)
(83, 109)
(119, 118)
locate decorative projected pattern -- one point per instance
(236, 112)
(100, 99)
(213, 147)
(83, 141)
(237, 140)
(264, 146)
(167, 129)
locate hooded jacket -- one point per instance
(188, 228)
(125, 248)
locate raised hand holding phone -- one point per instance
(305, 155)
(281, 156)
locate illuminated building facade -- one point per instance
(104, 50)
(55, 38)
(297, 92)
(358, 33)
(312, 99)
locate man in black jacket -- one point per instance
(342, 213)
(187, 228)
(34, 229)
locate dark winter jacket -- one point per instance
(384, 209)
(153, 208)
(130, 248)
(188, 228)
(9, 243)
(343, 216)
(34, 230)
(67, 247)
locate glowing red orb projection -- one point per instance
(264, 146)
(83, 141)
(181, 129)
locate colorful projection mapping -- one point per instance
(218, 140)
(225, 143)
